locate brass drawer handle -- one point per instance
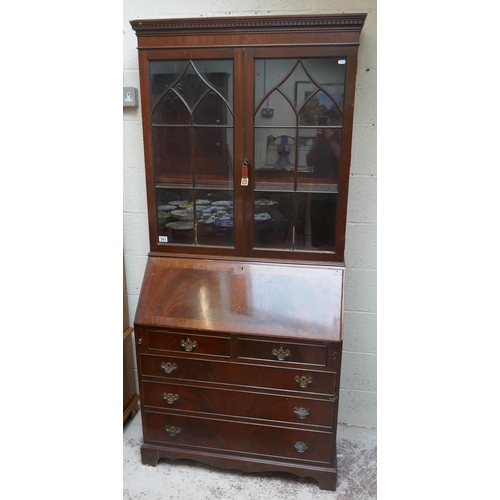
(301, 412)
(303, 381)
(281, 353)
(168, 367)
(170, 398)
(188, 345)
(300, 446)
(172, 430)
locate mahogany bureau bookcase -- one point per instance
(247, 125)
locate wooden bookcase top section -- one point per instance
(288, 300)
(346, 27)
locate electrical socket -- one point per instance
(130, 96)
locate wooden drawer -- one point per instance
(244, 438)
(165, 340)
(284, 352)
(241, 374)
(237, 403)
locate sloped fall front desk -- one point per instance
(239, 364)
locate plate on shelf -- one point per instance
(265, 202)
(223, 203)
(163, 215)
(179, 202)
(180, 225)
(262, 216)
(203, 202)
(224, 223)
(206, 221)
(167, 207)
(185, 215)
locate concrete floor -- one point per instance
(357, 474)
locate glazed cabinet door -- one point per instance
(298, 126)
(190, 127)
(248, 150)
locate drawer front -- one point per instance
(213, 345)
(245, 438)
(241, 374)
(237, 403)
(284, 352)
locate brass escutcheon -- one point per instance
(168, 367)
(172, 430)
(300, 446)
(281, 353)
(303, 381)
(301, 412)
(170, 398)
(188, 345)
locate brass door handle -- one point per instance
(168, 367)
(170, 398)
(300, 446)
(281, 353)
(303, 381)
(172, 430)
(188, 345)
(302, 412)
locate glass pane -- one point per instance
(162, 75)
(171, 109)
(212, 110)
(319, 157)
(273, 215)
(172, 154)
(317, 107)
(315, 221)
(269, 73)
(218, 75)
(274, 158)
(329, 74)
(275, 111)
(212, 153)
(215, 217)
(175, 221)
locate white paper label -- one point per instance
(163, 239)
(244, 182)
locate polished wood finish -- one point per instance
(294, 301)
(239, 360)
(238, 345)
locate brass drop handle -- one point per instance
(302, 412)
(244, 172)
(303, 381)
(168, 367)
(172, 430)
(281, 353)
(300, 446)
(188, 345)
(170, 398)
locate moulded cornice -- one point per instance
(320, 21)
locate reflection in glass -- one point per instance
(298, 134)
(273, 214)
(275, 101)
(274, 157)
(324, 155)
(315, 221)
